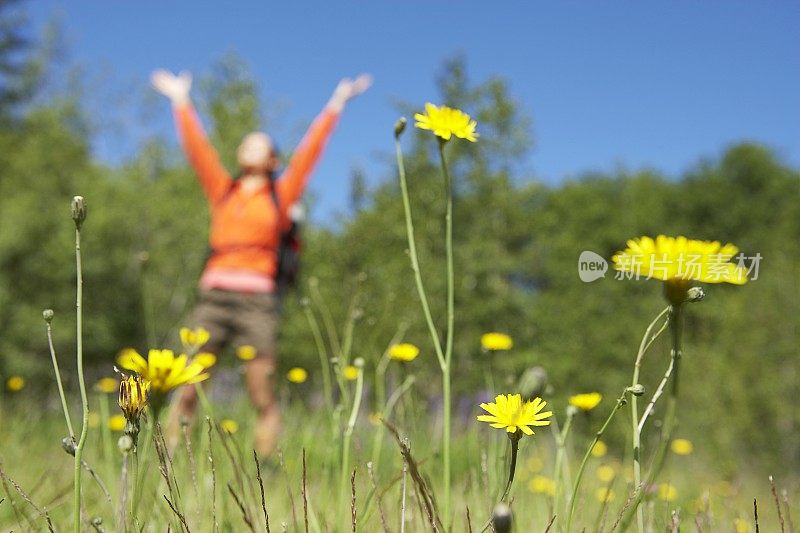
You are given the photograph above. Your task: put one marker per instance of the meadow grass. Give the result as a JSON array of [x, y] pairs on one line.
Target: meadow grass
[[32, 459]]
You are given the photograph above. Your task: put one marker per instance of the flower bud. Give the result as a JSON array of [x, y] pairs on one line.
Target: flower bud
[[636, 390], [695, 294], [125, 444], [359, 362], [78, 211], [47, 314], [399, 127], [68, 443], [502, 518]]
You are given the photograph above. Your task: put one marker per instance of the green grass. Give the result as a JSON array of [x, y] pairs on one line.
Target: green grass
[[32, 457]]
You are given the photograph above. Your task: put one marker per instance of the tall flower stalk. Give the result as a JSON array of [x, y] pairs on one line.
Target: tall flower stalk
[[78, 216], [444, 122], [677, 261]]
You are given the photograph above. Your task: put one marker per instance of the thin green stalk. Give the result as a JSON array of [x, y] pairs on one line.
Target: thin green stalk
[[573, 499], [448, 357], [561, 441], [412, 252], [344, 475], [637, 469], [387, 411], [48, 317], [81, 383], [327, 390], [327, 319], [105, 431]]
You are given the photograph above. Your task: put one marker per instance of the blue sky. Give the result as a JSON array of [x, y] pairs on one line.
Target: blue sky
[[608, 85]]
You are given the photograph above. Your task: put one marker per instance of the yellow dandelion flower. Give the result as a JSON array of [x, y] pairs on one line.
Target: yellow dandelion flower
[[741, 526], [445, 122], [15, 383], [680, 260], [403, 352], [107, 385], [350, 373], [193, 339], [604, 494], [116, 423], [587, 401], [133, 392], [606, 473], [510, 413], [667, 492], [205, 359], [297, 375], [496, 341], [682, 447], [542, 485], [246, 352], [229, 426], [163, 370], [600, 449]]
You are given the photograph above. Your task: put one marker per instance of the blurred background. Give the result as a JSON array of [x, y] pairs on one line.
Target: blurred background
[[597, 123]]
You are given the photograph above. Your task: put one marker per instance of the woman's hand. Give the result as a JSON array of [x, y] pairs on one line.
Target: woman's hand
[[176, 88], [348, 89]]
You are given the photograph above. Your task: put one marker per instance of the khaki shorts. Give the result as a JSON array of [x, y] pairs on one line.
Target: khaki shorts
[[238, 319]]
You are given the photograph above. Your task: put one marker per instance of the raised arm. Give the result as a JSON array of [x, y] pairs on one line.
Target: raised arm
[[293, 181], [213, 177]]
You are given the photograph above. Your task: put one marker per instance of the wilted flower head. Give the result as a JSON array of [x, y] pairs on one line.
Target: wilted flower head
[[163, 370], [496, 341], [587, 401], [510, 413], [403, 352], [133, 392], [445, 122]]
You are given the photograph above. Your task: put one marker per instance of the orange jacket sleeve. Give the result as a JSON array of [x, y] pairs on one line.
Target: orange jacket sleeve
[[214, 179], [292, 183]]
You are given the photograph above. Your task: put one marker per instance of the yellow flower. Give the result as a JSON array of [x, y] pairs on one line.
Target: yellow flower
[[403, 352], [604, 494], [606, 473], [133, 392], [535, 464], [587, 401], [682, 447], [15, 383], [445, 122], [193, 339], [107, 385], [297, 375], [229, 426], [246, 352], [510, 413], [678, 259], [94, 419], [350, 373], [163, 370], [116, 423], [496, 341], [599, 449], [542, 485], [741, 526], [667, 492]]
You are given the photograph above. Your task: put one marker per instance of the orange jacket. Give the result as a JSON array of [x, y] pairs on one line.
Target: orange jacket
[[244, 225]]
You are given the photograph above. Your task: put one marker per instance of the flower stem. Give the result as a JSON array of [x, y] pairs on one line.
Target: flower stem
[[617, 407], [348, 433], [512, 467], [448, 353], [58, 380], [637, 431], [561, 441], [81, 383]]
